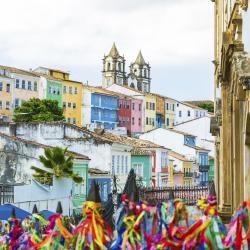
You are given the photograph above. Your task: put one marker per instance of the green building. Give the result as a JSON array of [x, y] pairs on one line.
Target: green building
[[211, 169], [80, 191], [54, 91], [142, 164]]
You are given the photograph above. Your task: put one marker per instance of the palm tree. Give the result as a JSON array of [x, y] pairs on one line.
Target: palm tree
[[58, 165]]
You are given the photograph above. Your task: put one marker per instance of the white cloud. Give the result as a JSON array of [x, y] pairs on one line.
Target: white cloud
[[74, 34]]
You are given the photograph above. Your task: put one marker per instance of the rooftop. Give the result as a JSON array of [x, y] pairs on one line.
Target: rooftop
[[197, 148], [179, 132], [56, 70], [178, 156], [18, 71], [39, 145]]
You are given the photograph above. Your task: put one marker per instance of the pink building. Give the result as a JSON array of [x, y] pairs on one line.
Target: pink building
[[178, 178], [130, 114]]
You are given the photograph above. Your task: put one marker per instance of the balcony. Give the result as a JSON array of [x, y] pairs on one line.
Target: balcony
[[188, 174], [204, 168]]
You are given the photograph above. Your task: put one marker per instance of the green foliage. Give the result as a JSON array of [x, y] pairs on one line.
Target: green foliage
[[58, 165], [36, 110], [209, 106]]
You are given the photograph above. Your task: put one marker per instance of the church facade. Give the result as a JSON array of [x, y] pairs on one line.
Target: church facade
[[114, 71], [231, 123]]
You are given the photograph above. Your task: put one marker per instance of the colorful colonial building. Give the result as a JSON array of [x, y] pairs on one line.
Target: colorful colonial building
[[99, 108], [58, 86], [130, 114], [25, 85]]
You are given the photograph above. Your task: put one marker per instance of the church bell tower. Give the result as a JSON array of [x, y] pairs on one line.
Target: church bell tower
[[113, 68]]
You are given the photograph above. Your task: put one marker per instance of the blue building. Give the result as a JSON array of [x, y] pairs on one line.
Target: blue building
[[99, 108], [202, 157], [103, 179], [203, 167]]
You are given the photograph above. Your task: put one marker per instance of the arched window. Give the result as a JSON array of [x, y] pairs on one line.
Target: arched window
[[119, 66], [145, 73], [108, 66], [132, 85]]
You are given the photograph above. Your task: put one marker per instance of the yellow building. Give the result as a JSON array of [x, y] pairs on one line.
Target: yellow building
[[231, 124], [171, 173], [182, 170], [170, 106], [71, 94], [150, 112], [72, 101], [6, 90]]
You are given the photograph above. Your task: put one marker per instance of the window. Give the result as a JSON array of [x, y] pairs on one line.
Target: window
[[167, 121], [23, 84], [139, 121], [58, 91], [138, 168], [139, 107], [1, 104], [64, 104], [35, 86], [173, 107], [7, 105], [74, 121], [17, 101], [74, 105], [124, 104], [145, 73], [118, 164], [29, 85], [126, 164], [69, 104], [8, 87], [70, 89], [164, 159], [108, 68], [17, 83], [133, 121], [166, 106], [76, 90], [180, 113], [119, 66], [153, 105], [1, 86], [153, 121], [177, 104], [133, 106], [113, 164], [122, 164], [188, 113], [120, 105], [64, 89], [127, 106], [146, 120], [146, 105], [68, 119]]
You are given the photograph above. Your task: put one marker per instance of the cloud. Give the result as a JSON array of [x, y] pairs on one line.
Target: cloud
[[73, 34]]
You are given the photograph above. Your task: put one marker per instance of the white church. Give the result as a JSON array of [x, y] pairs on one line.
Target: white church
[[114, 71]]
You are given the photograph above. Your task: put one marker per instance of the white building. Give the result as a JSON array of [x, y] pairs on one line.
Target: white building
[[183, 143], [185, 112], [200, 127]]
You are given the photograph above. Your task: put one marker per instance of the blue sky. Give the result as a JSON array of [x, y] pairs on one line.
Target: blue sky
[[175, 36]]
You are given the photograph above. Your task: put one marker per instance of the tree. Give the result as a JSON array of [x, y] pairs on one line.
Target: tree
[[36, 110], [58, 165]]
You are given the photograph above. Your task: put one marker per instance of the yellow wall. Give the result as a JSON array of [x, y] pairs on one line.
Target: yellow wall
[[6, 96], [59, 75], [169, 112], [70, 112], [149, 115], [187, 165], [171, 173]]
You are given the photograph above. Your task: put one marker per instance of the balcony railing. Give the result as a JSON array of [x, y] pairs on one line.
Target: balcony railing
[[188, 174], [204, 168]]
